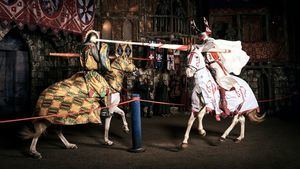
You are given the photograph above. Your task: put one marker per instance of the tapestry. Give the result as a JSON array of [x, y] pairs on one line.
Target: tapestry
[[75, 16]]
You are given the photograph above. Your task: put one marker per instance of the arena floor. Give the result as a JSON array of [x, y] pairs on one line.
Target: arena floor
[[272, 144]]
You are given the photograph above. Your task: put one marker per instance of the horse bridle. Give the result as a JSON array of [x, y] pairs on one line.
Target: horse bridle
[[193, 67]]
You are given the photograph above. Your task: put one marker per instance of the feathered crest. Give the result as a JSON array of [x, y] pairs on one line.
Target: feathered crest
[[194, 27], [197, 30], [207, 29]]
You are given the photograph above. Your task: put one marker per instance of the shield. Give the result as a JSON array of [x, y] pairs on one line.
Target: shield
[[104, 56]]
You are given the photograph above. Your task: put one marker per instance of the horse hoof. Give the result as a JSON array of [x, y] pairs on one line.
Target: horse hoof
[[203, 134], [184, 145], [222, 139], [72, 146], [238, 140], [35, 155], [125, 129], [108, 143]]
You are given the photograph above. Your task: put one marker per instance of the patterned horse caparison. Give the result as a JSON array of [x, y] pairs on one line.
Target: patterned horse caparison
[[71, 103]]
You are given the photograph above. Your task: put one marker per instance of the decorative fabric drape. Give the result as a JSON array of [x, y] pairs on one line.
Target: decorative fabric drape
[[75, 16]]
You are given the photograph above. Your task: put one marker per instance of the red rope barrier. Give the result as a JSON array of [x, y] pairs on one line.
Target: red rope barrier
[[29, 118], [276, 99], [125, 102], [165, 103], [56, 115]]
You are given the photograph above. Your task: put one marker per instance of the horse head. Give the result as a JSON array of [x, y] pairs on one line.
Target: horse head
[[195, 60], [124, 64]]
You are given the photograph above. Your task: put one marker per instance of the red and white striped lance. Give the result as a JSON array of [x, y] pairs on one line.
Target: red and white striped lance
[[156, 45], [165, 46]]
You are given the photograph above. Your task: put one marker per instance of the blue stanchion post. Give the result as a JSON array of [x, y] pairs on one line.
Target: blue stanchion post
[[136, 125]]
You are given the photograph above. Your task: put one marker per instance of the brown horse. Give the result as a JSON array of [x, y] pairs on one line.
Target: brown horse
[[70, 100]]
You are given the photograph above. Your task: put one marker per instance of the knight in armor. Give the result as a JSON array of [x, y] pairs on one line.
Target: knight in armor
[[96, 65], [220, 74], [215, 53]]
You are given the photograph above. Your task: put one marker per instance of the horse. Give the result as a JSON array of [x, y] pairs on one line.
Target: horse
[[71, 100], [241, 102]]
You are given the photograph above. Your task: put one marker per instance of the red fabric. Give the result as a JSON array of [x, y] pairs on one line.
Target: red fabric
[[217, 59], [59, 15]]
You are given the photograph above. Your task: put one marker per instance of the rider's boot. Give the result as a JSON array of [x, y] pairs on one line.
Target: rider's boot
[[218, 117], [224, 102]]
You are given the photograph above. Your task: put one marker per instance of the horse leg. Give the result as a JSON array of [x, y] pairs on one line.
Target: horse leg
[[106, 131], [233, 123], [65, 141], [242, 134], [33, 152], [39, 129], [187, 132], [201, 115], [125, 124]]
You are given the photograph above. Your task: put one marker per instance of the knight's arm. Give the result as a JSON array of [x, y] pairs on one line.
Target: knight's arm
[[95, 54], [210, 46]]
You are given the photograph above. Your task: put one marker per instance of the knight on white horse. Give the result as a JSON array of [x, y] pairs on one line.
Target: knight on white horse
[[241, 101], [222, 57]]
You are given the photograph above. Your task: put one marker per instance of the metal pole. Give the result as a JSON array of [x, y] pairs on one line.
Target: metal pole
[[136, 125]]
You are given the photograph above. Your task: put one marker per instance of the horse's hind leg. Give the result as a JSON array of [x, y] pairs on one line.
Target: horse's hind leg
[[233, 123], [33, 152], [125, 124], [65, 141], [39, 129], [242, 134]]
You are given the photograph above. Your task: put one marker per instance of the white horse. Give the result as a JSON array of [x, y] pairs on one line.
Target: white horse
[[241, 101], [120, 66]]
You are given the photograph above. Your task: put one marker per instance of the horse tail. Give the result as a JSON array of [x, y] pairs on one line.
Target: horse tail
[[39, 128], [255, 116]]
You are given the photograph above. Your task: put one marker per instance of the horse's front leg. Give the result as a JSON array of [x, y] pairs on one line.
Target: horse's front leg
[[201, 115], [125, 124], [184, 143], [106, 131], [233, 123], [114, 101]]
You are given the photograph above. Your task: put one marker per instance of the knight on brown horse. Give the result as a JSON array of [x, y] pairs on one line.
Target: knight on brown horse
[[76, 100]]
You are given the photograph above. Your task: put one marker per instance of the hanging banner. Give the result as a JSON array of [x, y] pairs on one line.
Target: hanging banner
[[75, 16]]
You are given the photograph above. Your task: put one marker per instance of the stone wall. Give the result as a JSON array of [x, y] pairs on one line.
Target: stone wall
[[3, 32], [117, 13], [45, 69], [277, 83]]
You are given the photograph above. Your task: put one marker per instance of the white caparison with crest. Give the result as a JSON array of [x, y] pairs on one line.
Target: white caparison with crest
[[241, 102]]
